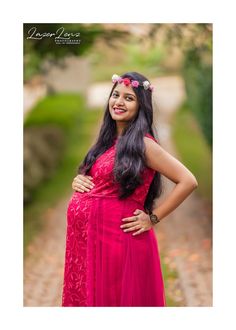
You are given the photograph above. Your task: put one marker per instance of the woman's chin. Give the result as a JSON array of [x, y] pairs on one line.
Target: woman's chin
[[119, 116]]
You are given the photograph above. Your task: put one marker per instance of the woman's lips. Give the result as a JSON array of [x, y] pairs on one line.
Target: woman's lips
[[119, 111]]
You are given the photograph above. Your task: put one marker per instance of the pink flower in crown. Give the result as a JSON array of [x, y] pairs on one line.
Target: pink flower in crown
[[135, 83], [151, 87], [120, 80], [126, 81]]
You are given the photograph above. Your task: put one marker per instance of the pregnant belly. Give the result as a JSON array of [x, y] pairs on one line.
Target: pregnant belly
[[79, 206], [100, 217], [104, 213]]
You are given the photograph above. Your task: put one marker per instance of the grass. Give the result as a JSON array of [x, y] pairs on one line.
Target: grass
[[168, 276], [193, 150], [69, 112]]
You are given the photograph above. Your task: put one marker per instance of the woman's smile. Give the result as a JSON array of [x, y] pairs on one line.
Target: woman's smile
[[119, 111], [123, 104]]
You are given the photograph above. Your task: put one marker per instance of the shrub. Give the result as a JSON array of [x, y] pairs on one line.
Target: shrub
[[198, 80], [42, 150]]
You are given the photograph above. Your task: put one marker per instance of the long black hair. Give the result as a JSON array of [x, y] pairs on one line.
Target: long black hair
[[130, 157]]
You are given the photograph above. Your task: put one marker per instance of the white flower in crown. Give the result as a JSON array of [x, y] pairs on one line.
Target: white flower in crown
[[146, 84], [115, 78]]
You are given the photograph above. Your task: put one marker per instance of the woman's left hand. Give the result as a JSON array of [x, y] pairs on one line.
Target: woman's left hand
[[140, 222]]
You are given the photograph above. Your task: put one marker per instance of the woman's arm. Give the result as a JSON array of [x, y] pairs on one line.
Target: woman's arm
[[161, 161]]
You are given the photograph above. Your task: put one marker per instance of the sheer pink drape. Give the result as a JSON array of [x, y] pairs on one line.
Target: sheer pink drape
[[105, 266], [122, 270]]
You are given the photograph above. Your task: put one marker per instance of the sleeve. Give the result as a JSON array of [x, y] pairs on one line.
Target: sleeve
[[151, 137]]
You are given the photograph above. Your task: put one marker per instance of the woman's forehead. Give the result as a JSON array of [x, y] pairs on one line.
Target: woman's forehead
[[121, 88]]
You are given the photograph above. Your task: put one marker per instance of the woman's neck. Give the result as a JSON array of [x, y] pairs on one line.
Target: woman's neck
[[120, 128]]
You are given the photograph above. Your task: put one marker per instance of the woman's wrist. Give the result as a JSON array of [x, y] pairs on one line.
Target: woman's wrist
[[154, 218]]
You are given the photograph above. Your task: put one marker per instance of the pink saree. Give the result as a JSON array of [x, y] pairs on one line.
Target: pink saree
[[105, 266]]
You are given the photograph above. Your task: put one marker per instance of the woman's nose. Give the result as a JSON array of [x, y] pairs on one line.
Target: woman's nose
[[120, 100]]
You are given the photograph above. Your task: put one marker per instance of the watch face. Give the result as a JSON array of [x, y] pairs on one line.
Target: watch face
[[154, 218]]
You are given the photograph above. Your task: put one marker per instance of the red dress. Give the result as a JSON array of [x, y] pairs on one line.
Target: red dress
[[105, 266]]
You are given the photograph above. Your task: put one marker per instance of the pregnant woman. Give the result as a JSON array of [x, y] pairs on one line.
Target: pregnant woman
[[112, 256]]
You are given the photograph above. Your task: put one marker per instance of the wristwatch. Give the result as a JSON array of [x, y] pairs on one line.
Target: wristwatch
[[154, 219]]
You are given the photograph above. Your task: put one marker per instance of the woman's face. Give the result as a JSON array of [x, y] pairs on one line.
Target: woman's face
[[123, 104]]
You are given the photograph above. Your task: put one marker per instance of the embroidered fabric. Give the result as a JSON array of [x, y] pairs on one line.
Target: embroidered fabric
[[105, 266]]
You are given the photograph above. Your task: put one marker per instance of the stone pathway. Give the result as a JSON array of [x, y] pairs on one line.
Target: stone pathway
[[184, 236]]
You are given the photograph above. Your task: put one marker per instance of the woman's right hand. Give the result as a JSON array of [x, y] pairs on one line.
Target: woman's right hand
[[82, 183]]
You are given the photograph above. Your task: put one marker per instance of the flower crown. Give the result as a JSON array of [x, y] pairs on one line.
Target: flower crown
[[134, 83]]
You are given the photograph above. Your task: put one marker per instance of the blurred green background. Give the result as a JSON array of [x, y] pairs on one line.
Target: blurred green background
[[61, 121]]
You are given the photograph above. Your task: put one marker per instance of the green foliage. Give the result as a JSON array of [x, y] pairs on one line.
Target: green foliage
[[59, 109], [143, 57], [193, 149], [43, 148], [31, 65], [68, 112], [198, 81], [78, 123], [37, 48], [133, 55], [64, 111], [169, 276], [47, 45], [195, 42]]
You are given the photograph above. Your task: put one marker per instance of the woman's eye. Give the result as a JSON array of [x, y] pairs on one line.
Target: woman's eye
[[128, 98]]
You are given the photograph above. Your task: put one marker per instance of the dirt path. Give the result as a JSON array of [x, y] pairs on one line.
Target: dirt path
[[184, 236], [43, 267]]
